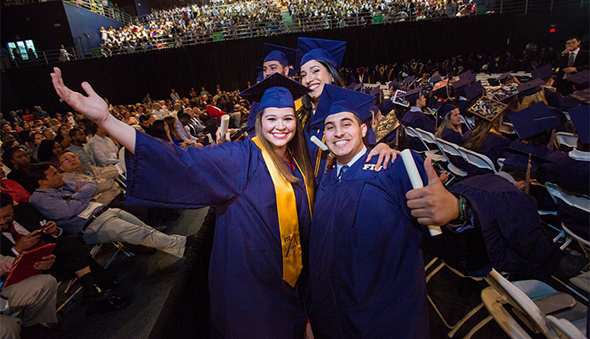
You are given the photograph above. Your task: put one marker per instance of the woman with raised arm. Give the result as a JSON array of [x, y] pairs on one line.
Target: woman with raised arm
[[263, 190]]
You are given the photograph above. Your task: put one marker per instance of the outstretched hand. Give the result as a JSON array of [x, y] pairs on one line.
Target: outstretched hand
[[432, 205], [92, 105]]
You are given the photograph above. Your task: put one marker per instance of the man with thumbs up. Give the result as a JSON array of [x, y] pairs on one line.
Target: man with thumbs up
[[366, 272]]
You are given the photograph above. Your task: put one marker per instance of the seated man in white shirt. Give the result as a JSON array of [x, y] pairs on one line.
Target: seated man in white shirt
[[104, 149]]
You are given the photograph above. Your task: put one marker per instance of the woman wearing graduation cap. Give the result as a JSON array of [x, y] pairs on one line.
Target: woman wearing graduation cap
[[450, 128], [319, 60], [263, 190]]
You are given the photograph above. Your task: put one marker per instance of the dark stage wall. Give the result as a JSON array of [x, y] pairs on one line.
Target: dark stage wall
[[126, 79]]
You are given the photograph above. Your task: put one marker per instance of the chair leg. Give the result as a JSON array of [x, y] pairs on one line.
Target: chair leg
[[565, 244], [458, 325], [69, 299], [478, 327]]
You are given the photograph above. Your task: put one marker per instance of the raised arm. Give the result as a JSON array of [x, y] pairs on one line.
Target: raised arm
[[94, 108]]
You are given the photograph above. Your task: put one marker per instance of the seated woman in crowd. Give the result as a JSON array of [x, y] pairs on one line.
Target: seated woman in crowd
[[486, 137], [63, 136], [172, 132], [450, 127], [17, 192], [49, 151], [256, 259], [19, 161]]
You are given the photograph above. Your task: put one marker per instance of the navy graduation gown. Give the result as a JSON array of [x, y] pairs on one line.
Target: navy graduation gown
[[511, 227], [366, 269], [493, 147], [248, 296], [451, 135], [418, 120]]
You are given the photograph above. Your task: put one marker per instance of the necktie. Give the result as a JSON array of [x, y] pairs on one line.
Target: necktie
[[571, 60], [14, 233], [342, 170]]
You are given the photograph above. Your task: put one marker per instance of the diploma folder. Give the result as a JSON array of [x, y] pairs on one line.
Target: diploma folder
[[23, 265]]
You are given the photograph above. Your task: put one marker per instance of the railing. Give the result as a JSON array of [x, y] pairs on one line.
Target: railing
[[268, 29], [96, 6]]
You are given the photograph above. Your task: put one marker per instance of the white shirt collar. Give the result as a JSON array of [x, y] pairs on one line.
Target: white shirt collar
[[415, 109], [351, 162], [579, 155]]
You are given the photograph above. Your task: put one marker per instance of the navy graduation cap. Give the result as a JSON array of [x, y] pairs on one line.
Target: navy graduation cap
[[275, 91], [352, 85], [434, 79], [504, 77], [580, 79], [543, 72], [409, 80], [445, 109], [533, 120], [583, 96], [460, 84], [473, 91], [284, 55], [487, 109], [580, 116], [517, 157], [413, 94], [531, 87], [375, 91], [330, 51], [335, 100], [387, 125]]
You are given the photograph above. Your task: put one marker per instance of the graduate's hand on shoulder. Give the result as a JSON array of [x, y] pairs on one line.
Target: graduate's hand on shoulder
[[432, 205], [385, 153], [92, 105]]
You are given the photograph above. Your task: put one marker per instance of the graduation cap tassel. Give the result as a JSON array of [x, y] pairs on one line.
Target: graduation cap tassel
[[527, 178]]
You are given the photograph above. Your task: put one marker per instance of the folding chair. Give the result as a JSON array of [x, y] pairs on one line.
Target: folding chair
[[467, 122], [411, 132], [451, 151], [579, 201], [477, 159], [454, 328], [565, 329], [531, 301], [429, 141], [566, 139]]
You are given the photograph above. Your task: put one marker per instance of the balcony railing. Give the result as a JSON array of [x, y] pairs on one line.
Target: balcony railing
[[84, 50]]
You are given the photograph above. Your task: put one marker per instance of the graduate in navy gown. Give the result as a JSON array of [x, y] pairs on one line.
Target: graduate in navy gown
[[366, 269], [263, 190], [509, 221], [319, 60], [450, 128], [486, 137]]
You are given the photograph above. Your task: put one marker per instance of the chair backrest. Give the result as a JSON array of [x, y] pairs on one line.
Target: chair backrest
[[477, 159], [578, 201], [563, 328], [448, 147], [121, 165], [517, 299], [410, 131], [566, 139], [427, 136], [466, 122]]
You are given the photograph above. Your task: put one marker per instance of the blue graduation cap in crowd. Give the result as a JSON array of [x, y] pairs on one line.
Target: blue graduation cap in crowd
[[284, 55], [434, 79], [580, 79], [531, 87], [386, 126], [413, 94], [445, 109], [503, 78], [352, 85], [394, 84], [544, 72], [517, 157], [583, 96], [275, 91], [460, 85], [580, 116], [467, 75], [409, 80], [473, 91], [375, 91], [336, 100], [487, 109], [533, 120], [330, 51]]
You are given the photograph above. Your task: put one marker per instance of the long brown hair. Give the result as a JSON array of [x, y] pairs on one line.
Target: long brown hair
[[481, 131], [296, 148], [306, 110], [170, 120], [446, 123]]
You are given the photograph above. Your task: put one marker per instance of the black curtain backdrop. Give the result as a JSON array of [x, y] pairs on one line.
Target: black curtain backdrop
[[126, 79]]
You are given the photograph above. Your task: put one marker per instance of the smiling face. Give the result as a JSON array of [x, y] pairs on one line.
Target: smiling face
[[314, 76], [278, 127], [344, 135]]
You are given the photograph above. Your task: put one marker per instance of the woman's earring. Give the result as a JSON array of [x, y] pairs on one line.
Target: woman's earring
[[332, 79]]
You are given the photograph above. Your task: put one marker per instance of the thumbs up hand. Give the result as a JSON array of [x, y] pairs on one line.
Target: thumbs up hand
[[433, 204]]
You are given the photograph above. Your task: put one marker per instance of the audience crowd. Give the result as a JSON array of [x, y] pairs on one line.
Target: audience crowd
[[199, 23]]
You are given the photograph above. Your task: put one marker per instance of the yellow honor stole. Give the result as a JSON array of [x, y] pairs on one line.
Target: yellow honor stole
[[288, 217], [319, 159]]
